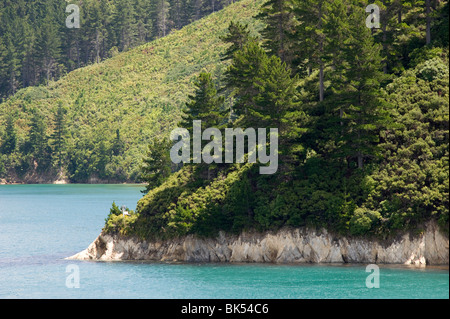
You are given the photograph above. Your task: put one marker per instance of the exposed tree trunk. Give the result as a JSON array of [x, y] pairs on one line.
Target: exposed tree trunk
[[48, 67], [13, 82], [428, 17], [385, 64], [281, 49], [359, 153], [97, 46], [360, 160], [78, 50], [321, 42], [321, 85]]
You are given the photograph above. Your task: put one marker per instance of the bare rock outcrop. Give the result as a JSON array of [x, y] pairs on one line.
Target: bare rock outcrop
[[299, 245]]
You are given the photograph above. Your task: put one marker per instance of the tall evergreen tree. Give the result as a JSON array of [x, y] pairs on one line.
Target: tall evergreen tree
[[49, 47], [3, 69], [393, 33], [125, 24], [204, 105], [177, 13], [347, 124], [266, 96], [156, 165], [246, 66], [29, 53], [311, 37], [38, 141], [162, 18], [280, 28], [10, 137], [12, 67], [58, 138], [195, 8], [365, 113], [144, 23], [238, 36], [118, 146]]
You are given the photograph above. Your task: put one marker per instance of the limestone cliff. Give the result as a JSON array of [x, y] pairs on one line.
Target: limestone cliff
[[284, 246]]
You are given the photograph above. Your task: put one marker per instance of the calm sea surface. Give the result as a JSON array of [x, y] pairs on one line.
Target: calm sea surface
[[40, 225]]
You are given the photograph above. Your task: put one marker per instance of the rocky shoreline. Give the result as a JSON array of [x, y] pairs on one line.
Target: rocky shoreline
[[62, 181], [299, 245]]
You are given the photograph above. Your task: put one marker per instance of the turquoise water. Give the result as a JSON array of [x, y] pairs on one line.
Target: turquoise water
[[42, 224]]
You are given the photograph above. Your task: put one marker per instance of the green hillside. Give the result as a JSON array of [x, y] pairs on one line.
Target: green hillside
[[113, 108], [363, 128]]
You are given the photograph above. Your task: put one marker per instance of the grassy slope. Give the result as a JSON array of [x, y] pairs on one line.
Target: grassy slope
[[140, 91]]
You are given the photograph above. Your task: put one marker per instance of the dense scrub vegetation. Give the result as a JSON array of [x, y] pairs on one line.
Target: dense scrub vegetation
[[95, 123], [36, 45], [363, 125]]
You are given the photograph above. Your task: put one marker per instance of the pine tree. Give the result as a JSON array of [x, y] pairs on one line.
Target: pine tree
[[280, 28], [101, 158], [346, 125], [195, 8], [177, 14], [337, 29], [163, 19], [9, 138], [95, 26], [156, 166], [246, 66], [3, 69], [265, 89], [144, 14], [393, 34], [428, 21], [125, 24], [266, 96], [118, 146], [12, 67], [440, 28], [365, 113], [49, 46], [203, 105], [28, 53], [58, 137], [238, 36], [311, 37], [72, 47], [38, 141]]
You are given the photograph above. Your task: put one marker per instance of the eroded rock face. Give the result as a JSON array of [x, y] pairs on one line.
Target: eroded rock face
[[284, 246]]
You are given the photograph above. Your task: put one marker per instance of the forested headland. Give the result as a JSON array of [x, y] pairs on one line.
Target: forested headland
[[362, 115]]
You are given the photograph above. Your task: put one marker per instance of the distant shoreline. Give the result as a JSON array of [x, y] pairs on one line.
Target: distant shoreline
[[65, 182]]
